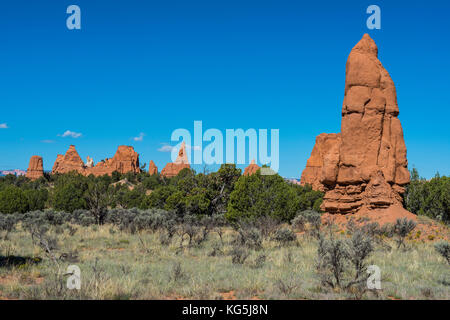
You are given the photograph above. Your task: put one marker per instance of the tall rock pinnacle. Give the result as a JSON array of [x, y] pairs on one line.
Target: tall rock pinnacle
[[365, 165]]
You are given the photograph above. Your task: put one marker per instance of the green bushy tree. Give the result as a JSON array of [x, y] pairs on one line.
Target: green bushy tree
[[430, 198], [13, 199], [68, 193], [268, 195]]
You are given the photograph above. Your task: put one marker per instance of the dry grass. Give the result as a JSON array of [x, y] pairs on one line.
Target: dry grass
[[116, 265]]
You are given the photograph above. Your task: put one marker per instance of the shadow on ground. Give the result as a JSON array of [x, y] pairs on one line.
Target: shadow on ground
[[15, 261]]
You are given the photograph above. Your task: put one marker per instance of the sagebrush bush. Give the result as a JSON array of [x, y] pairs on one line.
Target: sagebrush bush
[[249, 236], [7, 224], [239, 254], [402, 228], [342, 263], [443, 248], [312, 219], [299, 222], [284, 236]]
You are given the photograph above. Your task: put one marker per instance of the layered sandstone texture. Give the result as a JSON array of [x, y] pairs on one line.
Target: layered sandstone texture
[[251, 169], [35, 168], [125, 160], [364, 166], [173, 168]]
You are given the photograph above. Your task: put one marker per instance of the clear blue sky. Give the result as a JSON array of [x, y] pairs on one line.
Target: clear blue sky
[[154, 66]]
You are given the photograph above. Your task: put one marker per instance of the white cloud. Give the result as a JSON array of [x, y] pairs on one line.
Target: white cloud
[[3, 126], [140, 137], [71, 134], [166, 148]]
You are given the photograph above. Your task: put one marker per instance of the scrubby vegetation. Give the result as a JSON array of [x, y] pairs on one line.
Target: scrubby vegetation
[[223, 192], [204, 236], [429, 198], [157, 254]]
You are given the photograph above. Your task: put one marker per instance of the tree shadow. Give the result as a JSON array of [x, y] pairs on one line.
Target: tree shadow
[[16, 261]]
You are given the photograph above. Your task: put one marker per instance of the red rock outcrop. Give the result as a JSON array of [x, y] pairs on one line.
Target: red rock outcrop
[[322, 164], [152, 168], [173, 168], [35, 168], [364, 167], [125, 160], [251, 169], [71, 161]]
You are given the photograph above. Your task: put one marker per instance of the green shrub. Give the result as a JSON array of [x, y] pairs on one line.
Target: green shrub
[[13, 199], [259, 195], [430, 198]]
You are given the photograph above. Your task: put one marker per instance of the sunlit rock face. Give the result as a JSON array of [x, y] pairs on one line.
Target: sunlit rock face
[[173, 168], [125, 160], [35, 168], [365, 165]]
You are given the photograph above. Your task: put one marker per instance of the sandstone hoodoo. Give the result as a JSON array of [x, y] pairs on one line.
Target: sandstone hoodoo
[[35, 168], [71, 161], [152, 168], [364, 167], [251, 169], [125, 160], [173, 168]]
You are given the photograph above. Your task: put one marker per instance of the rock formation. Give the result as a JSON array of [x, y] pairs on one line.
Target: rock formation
[[251, 169], [35, 168], [125, 160], [152, 168], [71, 161], [364, 166], [173, 168], [326, 150]]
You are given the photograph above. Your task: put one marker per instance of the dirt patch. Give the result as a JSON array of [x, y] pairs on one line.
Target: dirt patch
[[427, 230], [230, 295], [175, 297]]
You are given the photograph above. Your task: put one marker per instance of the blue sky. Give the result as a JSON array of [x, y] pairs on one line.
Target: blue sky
[[154, 66]]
